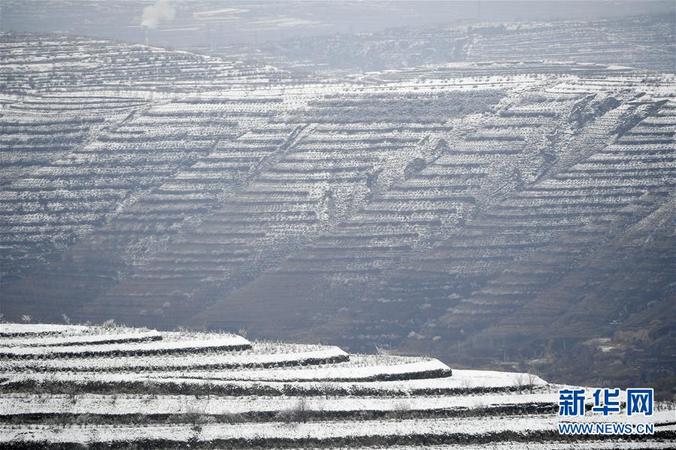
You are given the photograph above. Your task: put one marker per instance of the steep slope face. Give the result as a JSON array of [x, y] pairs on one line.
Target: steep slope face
[[90, 124], [78, 191], [32, 140], [498, 257], [565, 221], [331, 164], [38, 135], [98, 131], [578, 290], [485, 160], [613, 312], [128, 189]]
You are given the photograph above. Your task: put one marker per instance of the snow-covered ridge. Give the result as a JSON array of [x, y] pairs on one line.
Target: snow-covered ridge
[[16, 329], [84, 339], [257, 356], [166, 344]]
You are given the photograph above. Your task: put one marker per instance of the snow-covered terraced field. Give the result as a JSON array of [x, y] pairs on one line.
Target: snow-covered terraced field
[[229, 342], [462, 381], [449, 202], [83, 339], [259, 355], [266, 395], [15, 330], [322, 433], [125, 404], [358, 368]]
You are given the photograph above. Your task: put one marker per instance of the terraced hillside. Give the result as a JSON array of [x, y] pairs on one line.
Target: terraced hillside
[[515, 201], [53, 63], [436, 208], [71, 386]]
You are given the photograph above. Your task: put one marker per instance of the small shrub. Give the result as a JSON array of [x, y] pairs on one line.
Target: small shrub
[[298, 413], [520, 382], [83, 419], [401, 409], [109, 324]]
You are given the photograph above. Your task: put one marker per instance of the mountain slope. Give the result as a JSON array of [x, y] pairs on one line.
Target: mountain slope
[[433, 208]]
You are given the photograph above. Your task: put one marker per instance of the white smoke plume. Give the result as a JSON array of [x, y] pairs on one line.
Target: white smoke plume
[[154, 15]]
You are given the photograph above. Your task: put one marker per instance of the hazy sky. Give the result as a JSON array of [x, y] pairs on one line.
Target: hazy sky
[[178, 23]]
